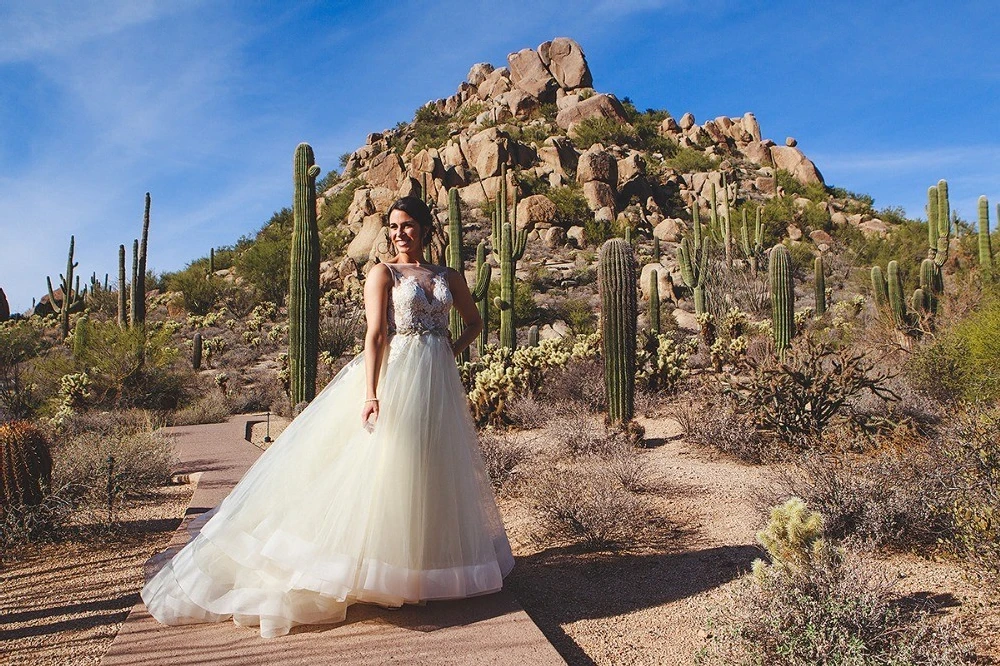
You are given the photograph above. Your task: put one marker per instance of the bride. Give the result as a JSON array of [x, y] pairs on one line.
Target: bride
[[389, 507]]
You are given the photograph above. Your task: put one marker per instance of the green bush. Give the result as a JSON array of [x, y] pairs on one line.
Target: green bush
[[961, 363], [130, 368], [813, 191], [691, 160], [265, 262], [907, 244], [430, 127], [571, 205], [579, 314], [335, 209], [201, 291], [525, 310]]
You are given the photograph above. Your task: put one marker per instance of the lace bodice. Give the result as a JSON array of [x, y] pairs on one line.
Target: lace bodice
[[420, 300]]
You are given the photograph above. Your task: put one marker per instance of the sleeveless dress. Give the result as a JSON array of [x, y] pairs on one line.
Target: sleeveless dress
[[333, 514]]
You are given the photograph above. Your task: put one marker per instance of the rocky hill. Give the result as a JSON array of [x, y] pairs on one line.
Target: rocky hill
[[541, 118]]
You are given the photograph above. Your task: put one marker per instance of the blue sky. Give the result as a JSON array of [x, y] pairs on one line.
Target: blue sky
[[202, 103]]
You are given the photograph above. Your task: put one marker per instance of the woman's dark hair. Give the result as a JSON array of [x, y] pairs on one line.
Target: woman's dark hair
[[419, 211]]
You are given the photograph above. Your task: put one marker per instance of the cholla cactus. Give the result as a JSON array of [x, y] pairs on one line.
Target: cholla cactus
[[660, 361], [794, 540]]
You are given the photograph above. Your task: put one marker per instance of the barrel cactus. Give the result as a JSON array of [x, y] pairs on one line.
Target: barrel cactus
[[779, 270], [25, 464], [303, 289], [617, 281]]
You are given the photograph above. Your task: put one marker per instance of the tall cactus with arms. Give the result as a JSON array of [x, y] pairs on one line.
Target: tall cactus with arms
[[508, 248], [454, 255], [72, 298], [616, 279], [303, 289], [693, 258]]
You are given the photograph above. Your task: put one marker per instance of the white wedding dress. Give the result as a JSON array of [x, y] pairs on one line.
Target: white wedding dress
[[333, 514]]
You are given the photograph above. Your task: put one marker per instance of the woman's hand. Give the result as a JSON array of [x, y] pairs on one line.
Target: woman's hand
[[369, 414]]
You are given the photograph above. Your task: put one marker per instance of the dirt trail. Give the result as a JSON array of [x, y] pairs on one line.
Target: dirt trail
[[651, 607], [646, 607]]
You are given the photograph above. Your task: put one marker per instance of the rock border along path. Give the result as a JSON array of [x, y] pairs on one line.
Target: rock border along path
[[492, 629]]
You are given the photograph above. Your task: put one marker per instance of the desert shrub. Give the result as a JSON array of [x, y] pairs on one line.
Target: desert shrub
[[796, 396], [201, 292], [961, 361], [341, 324], [884, 498], [526, 311], [20, 341], [43, 522], [141, 458], [812, 191], [972, 483], [580, 381], [602, 130], [132, 368], [211, 407], [576, 431], [265, 260], [817, 603], [627, 464], [527, 411], [336, 206], [597, 231], [717, 424], [571, 206], [503, 457], [731, 287], [578, 313], [691, 160], [907, 244], [589, 507]]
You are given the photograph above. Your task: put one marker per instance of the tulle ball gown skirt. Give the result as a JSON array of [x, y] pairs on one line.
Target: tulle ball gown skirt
[[332, 514]]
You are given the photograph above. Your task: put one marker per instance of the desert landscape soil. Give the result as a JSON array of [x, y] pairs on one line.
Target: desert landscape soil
[[650, 605], [64, 603]]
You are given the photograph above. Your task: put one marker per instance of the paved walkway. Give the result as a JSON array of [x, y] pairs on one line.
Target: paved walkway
[[493, 629]]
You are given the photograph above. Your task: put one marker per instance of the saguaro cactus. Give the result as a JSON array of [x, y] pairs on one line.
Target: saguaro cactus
[[139, 288], [196, 352], [938, 237], [81, 334], [508, 248], [692, 254], [25, 464], [453, 254], [654, 302], [122, 316], [72, 298], [819, 286], [616, 281], [533, 336], [985, 247], [484, 271], [134, 295], [779, 269], [753, 249], [303, 288], [897, 302], [211, 261], [880, 289]]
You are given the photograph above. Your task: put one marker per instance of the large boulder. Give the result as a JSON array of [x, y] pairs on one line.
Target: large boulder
[[528, 72], [360, 248], [535, 210], [598, 106], [668, 230], [597, 164], [385, 171], [559, 153], [496, 83], [598, 195], [566, 62], [794, 162], [664, 284], [479, 72], [630, 168]]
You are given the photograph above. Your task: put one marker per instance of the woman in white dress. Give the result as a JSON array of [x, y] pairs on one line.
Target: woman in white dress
[[391, 506]]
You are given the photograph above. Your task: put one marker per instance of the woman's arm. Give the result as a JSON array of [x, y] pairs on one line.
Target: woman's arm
[[377, 286], [462, 300]]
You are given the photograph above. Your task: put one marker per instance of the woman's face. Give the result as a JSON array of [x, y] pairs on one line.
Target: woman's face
[[405, 233]]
